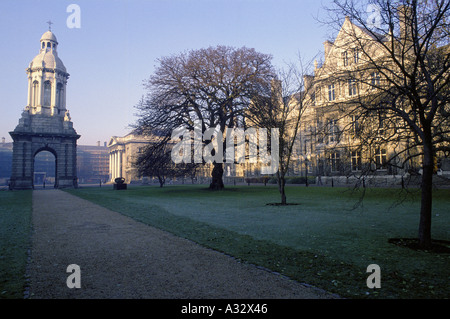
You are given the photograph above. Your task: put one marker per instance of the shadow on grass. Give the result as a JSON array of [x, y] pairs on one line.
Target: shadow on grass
[[437, 246]]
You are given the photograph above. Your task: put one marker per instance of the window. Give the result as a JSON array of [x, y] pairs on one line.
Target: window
[[333, 131], [355, 125], [335, 161], [380, 158], [331, 93], [381, 123], [319, 126], [356, 161], [306, 146], [345, 58], [356, 55], [318, 97], [375, 79], [352, 87]]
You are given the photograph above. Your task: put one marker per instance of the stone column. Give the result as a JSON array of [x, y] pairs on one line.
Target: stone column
[[119, 153], [113, 167], [30, 90], [109, 172]]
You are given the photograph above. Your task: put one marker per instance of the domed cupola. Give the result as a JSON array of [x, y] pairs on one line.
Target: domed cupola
[[48, 55], [47, 78]]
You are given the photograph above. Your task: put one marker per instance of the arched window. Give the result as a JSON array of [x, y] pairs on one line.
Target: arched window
[[43, 45], [35, 93], [49, 45], [47, 93], [59, 95]]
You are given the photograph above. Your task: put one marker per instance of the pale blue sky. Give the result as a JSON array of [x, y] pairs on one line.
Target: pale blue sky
[[119, 41]]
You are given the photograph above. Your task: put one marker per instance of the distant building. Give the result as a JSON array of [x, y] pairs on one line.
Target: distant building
[[122, 154], [5, 161], [93, 163]]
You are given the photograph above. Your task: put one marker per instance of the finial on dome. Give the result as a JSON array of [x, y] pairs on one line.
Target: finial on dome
[[49, 25]]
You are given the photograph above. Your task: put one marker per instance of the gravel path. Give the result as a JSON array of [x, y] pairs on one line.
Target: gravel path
[[121, 258]]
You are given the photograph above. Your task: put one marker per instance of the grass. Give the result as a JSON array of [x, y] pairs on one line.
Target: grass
[[326, 240], [15, 233]]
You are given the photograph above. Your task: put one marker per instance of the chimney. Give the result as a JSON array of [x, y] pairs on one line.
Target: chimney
[[276, 88], [308, 82], [404, 19], [104, 144], [98, 143], [3, 140], [327, 45]]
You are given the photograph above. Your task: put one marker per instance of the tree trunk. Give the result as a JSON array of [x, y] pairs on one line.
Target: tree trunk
[[281, 187], [161, 181], [217, 174], [426, 200]]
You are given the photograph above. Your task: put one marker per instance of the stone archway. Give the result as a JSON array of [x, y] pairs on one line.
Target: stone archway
[[27, 145], [44, 168]]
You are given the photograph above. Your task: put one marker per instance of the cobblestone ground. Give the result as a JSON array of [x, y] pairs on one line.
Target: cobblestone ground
[[121, 258]]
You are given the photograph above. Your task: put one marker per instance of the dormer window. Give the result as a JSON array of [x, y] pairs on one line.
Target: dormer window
[[345, 58], [331, 93]]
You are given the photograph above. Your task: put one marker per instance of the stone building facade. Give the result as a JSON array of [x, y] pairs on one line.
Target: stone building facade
[[122, 154], [336, 142]]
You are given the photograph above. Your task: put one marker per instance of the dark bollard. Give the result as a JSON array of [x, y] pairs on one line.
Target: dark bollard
[[120, 183]]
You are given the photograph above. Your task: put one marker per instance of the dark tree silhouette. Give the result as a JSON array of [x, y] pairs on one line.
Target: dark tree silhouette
[[212, 86], [281, 105], [403, 80]]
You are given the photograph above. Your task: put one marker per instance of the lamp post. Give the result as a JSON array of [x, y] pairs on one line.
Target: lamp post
[[306, 159]]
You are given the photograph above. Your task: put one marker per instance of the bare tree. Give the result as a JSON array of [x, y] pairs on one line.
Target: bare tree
[[155, 160], [281, 104], [399, 67], [213, 86]]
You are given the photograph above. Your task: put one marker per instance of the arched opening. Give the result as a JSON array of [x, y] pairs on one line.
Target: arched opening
[[44, 175], [35, 93], [47, 93], [59, 96]]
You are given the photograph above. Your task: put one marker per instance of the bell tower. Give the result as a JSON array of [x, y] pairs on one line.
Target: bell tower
[[45, 124]]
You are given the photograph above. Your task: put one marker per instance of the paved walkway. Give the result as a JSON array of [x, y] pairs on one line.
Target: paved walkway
[[121, 258]]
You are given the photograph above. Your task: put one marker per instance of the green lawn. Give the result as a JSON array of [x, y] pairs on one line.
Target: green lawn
[[15, 232], [327, 240]]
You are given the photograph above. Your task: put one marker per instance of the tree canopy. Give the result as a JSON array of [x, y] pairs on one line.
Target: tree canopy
[[212, 85]]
